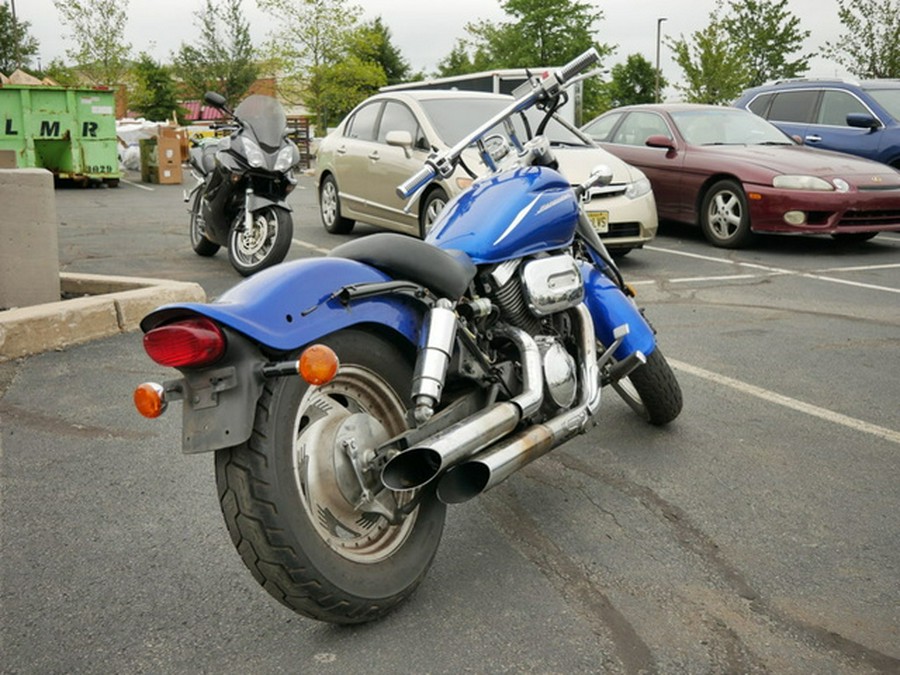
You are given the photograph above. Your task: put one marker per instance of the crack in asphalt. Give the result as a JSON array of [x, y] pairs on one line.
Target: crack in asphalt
[[693, 539], [47, 423], [569, 579]]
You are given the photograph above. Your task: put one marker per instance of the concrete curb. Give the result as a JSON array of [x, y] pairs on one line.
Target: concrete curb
[[110, 305]]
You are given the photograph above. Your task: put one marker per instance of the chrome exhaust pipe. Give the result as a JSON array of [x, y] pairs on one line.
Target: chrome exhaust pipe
[[485, 470], [418, 465]]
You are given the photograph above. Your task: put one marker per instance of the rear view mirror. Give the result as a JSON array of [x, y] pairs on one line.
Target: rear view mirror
[[400, 139], [214, 99]]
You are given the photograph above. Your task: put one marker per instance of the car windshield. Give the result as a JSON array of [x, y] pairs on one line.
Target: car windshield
[[727, 127], [452, 119], [265, 117], [889, 99]]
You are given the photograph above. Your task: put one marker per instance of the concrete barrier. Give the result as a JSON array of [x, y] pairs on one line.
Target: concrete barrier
[[29, 248], [109, 305]]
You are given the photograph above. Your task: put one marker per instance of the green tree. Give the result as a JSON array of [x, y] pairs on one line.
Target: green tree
[[871, 46], [223, 58], [539, 33], [769, 35], [372, 44], [17, 47], [713, 63], [633, 82], [59, 72], [155, 95], [313, 48], [98, 29]]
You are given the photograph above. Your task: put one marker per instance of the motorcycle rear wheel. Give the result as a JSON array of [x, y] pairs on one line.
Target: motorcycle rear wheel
[[266, 243], [652, 390], [288, 495]]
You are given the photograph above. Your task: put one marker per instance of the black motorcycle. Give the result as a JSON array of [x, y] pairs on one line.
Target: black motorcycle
[[243, 182]]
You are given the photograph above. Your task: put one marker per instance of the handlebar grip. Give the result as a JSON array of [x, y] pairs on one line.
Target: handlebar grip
[[578, 64], [411, 185]]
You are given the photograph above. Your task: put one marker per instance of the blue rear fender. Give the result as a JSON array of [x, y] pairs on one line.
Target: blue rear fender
[[291, 304], [610, 308]]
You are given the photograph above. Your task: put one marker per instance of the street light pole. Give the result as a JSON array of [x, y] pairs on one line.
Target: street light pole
[[658, 36]]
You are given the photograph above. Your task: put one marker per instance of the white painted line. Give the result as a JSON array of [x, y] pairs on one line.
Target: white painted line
[[788, 402], [862, 268], [311, 247], [729, 277], [137, 185], [775, 270]]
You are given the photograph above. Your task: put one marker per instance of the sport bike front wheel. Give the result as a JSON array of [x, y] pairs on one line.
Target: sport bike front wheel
[[264, 243], [295, 496]]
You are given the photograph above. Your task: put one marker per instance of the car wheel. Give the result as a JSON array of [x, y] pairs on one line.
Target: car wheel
[[724, 217], [433, 204], [330, 208]]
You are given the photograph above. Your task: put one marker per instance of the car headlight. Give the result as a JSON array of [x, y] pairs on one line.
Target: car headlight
[[285, 159], [638, 188], [802, 183], [255, 156]]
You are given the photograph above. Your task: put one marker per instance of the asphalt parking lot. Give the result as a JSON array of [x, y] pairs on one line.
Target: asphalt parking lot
[[758, 533]]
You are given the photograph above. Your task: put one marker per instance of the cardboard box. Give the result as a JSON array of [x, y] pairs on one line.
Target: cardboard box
[[168, 174]]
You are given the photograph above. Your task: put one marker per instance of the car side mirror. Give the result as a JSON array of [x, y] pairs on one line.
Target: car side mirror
[[400, 139], [862, 121], [660, 141]]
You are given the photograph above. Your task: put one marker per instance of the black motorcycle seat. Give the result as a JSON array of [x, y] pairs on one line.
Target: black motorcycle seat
[[445, 273]]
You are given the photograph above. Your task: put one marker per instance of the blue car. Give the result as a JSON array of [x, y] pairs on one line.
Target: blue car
[[857, 118]]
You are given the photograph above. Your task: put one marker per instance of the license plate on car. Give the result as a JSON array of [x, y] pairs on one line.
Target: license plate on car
[[600, 220]]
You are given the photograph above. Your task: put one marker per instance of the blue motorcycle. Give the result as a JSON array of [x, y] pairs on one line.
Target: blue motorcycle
[[349, 399]]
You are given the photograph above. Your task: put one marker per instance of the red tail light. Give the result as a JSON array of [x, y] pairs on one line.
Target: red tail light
[[191, 343]]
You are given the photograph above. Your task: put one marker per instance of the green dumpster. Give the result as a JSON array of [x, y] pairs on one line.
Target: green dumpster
[[71, 132]]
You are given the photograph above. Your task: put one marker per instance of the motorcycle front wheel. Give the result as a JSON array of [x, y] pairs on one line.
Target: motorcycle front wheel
[[201, 245], [652, 390], [291, 495], [264, 243]]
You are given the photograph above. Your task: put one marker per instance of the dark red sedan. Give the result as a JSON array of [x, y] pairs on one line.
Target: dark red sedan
[[734, 174]]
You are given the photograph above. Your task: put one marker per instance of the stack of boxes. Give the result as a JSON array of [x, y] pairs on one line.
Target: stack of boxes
[[162, 156]]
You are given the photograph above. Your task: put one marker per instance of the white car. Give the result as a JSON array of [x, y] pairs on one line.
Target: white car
[[387, 138]]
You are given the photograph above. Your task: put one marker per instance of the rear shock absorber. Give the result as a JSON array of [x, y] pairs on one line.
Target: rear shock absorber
[[435, 352]]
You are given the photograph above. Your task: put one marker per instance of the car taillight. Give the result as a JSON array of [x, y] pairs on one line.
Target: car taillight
[[191, 343]]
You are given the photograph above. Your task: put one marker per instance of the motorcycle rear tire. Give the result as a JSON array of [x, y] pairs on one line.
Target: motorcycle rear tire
[[299, 533], [271, 251], [652, 390]]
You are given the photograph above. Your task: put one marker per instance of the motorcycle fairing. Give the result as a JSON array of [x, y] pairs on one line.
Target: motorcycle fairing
[[515, 213], [256, 202], [610, 308], [289, 305]]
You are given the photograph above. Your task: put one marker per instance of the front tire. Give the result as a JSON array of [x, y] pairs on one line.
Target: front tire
[[201, 245], [288, 495], [330, 208], [652, 390], [431, 208], [264, 244], [724, 215]]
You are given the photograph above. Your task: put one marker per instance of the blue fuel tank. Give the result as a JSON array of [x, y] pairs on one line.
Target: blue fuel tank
[[509, 215]]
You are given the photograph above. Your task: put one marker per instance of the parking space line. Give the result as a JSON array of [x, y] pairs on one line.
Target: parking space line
[[788, 402], [311, 247], [773, 270], [137, 185]]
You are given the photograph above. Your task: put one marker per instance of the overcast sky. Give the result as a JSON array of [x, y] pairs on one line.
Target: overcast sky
[[425, 30]]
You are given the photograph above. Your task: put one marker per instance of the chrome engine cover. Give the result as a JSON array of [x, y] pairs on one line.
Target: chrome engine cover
[[560, 372], [552, 284]]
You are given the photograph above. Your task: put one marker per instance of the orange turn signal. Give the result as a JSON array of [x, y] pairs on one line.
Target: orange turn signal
[[318, 364], [150, 400]]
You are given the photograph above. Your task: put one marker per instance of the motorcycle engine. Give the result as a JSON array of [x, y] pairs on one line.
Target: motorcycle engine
[[534, 295]]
